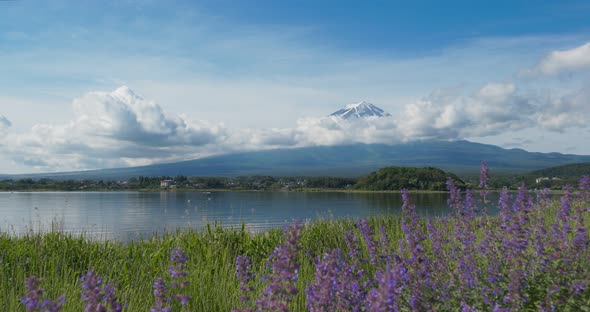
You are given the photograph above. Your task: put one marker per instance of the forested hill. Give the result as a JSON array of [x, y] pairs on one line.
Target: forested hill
[[397, 178], [564, 171]]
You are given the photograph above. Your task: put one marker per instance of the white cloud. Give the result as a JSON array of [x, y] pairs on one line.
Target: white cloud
[[113, 129], [492, 109], [445, 114], [570, 111], [123, 115], [561, 61], [122, 129]]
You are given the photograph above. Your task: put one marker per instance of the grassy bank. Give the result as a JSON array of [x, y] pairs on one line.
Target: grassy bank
[[465, 260], [61, 259]]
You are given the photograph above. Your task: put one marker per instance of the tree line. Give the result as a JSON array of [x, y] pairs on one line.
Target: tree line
[[389, 178]]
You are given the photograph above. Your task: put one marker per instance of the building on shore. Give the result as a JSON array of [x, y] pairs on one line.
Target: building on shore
[[167, 183]]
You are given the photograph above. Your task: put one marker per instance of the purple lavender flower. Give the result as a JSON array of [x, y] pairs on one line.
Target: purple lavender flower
[[98, 298], [178, 273], [566, 199], [33, 300], [467, 308], [337, 285], [561, 226], [110, 298], [439, 264], [504, 205], [580, 286], [455, 200], [384, 244], [441, 268], [484, 175], [283, 278], [178, 259], [92, 294], [580, 238], [411, 270], [161, 295], [470, 207], [353, 276], [368, 234], [543, 197], [245, 276], [53, 306], [353, 246], [322, 293], [34, 293], [387, 296], [584, 187]]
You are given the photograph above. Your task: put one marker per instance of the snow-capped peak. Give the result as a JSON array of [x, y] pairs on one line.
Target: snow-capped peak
[[360, 110], [357, 105]]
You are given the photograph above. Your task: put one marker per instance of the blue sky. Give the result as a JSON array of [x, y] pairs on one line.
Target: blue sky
[[218, 76]]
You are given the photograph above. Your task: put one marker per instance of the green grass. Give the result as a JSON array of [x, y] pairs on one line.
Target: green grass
[[61, 259]]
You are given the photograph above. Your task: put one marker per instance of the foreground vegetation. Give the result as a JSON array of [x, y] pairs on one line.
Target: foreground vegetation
[[533, 256]]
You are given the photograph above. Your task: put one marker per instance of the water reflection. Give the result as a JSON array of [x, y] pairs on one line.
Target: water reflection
[[133, 215]]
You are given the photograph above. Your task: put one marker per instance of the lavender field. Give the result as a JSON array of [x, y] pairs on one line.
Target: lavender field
[[534, 256]]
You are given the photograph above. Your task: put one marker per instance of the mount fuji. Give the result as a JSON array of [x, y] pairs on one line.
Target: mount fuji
[[360, 110], [460, 157]]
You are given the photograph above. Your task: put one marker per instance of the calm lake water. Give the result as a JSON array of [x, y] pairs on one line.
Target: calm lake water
[[133, 215]]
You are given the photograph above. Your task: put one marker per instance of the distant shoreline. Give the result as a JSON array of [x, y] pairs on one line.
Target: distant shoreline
[[307, 190]]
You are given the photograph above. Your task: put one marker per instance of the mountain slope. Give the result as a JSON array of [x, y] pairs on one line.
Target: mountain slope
[[460, 157], [570, 170]]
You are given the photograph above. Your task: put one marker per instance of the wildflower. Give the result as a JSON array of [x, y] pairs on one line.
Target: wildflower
[[34, 293], [322, 293], [484, 175], [455, 200], [285, 270], [370, 242], [504, 205], [33, 300], [178, 273], [161, 295], [584, 188], [245, 276], [98, 298], [467, 308], [178, 258], [387, 295], [53, 306]]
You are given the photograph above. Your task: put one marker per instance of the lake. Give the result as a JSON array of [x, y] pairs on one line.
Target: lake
[[134, 215]]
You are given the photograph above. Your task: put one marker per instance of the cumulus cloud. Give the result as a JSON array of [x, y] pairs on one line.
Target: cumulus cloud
[[443, 115], [492, 109], [561, 61], [253, 139], [123, 115], [120, 128], [112, 129], [570, 111]]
